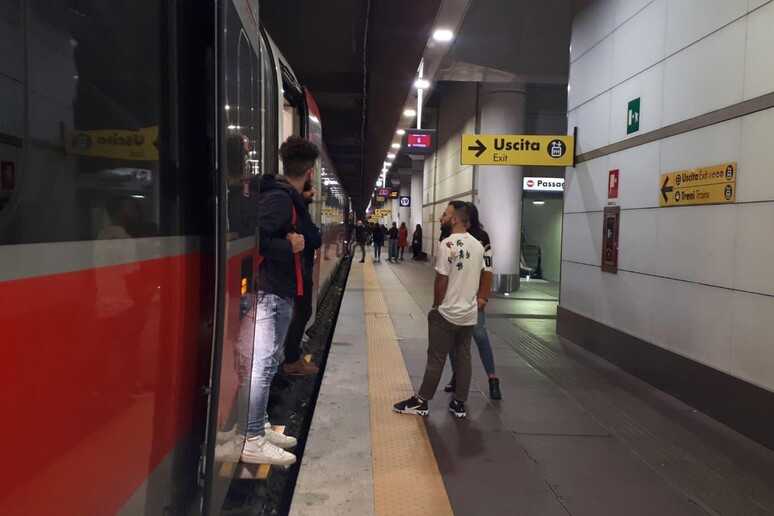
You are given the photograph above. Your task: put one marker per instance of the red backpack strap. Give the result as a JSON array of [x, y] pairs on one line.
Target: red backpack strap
[[297, 258]]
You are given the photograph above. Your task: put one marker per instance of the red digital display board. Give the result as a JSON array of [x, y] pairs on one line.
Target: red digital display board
[[419, 141]]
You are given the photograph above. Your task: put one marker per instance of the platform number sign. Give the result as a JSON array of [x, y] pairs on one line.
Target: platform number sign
[[405, 201]]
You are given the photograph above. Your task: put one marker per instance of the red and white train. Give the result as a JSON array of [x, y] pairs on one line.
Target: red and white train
[[124, 291]]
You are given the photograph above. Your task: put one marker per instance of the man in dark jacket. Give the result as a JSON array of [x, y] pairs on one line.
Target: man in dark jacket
[[378, 237], [302, 306], [361, 236], [280, 280]]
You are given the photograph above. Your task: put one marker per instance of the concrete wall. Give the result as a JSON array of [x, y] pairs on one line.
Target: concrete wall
[[695, 280]]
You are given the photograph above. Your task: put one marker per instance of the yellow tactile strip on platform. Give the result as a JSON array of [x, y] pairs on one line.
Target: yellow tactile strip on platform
[[406, 475]]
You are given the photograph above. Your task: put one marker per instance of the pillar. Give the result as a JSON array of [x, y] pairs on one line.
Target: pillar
[[404, 214], [502, 110], [416, 192]]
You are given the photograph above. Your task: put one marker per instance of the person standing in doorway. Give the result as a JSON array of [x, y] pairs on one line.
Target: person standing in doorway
[[459, 271], [294, 364], [480, 335], [392, 233], [402, 239], [280, 273]]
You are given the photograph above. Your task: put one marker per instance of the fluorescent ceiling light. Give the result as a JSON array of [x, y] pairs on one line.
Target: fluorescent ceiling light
[[390, 155], [395, 145], [443, 35], [422, 84], [539, 202], [400, 132], [409, 112]]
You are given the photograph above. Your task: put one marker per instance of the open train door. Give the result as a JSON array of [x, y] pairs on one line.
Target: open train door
[[241, 127]]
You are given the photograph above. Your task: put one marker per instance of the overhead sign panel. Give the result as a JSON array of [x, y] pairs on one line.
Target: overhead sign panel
[[543, 184], [419, 141], [137, 145], [715, 184], [518, 149]]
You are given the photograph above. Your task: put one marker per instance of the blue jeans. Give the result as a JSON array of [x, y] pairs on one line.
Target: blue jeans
[[393, 249], [484, 347], [272, 319]]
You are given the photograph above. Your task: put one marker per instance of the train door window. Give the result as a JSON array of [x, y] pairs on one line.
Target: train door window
[[83, 162], [270, 111], [241, 160]]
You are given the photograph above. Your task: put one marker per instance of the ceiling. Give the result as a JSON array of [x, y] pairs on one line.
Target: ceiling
[[523, 41], [324, 43]]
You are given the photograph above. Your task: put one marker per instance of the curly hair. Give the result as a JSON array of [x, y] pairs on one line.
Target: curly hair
[[298, 155]]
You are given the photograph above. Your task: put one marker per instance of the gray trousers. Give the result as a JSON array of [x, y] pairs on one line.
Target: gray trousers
[[444, 337]]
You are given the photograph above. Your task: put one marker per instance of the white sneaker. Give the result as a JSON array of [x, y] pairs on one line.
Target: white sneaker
[[277, 439], [222, 437], [258, 450], [229, 451]]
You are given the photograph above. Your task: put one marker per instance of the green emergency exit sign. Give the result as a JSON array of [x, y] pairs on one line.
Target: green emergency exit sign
[[633, 116]]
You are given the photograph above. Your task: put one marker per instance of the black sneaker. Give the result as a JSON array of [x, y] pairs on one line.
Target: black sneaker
[[494, 389], [457, 408], [413, 405], [451, 385]]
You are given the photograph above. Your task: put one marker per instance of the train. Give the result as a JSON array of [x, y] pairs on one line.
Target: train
[[125, 293]]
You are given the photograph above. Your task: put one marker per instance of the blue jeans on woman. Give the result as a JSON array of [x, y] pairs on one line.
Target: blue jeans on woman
[[272, 319], [484, 347]]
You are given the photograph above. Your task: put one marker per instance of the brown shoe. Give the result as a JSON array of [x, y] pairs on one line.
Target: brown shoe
[[299, 367]]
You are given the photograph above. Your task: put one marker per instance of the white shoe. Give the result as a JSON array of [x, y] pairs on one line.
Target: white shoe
[[229, 451], [258, 450], [222, 437], [277, 439]]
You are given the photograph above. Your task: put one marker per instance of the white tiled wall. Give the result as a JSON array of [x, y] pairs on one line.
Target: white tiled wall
[[639, 43], [694, 321], [759, 60], [591, 74], [751, 357], [756, 158], [706, 76], [696, 279], [582, 238], [638, 175], [690, 20]]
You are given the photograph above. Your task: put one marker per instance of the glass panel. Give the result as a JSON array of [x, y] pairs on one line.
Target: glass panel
[[90, 164], [242, 156]]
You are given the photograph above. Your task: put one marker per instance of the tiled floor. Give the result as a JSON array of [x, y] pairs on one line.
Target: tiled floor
[[572, 434]]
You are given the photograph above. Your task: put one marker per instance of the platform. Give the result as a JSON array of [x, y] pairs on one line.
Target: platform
[[572, 434]]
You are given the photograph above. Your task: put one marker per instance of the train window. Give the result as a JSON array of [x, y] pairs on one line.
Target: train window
[[270, 112], [243, 119], [83, 161]]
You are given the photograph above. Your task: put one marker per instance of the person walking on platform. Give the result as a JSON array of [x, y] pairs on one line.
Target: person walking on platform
[[361, 236], [282, 211], [416, 242], [402, 239], [459, 272], [378, 239], [302, 306], [392, 233], [480, 336]]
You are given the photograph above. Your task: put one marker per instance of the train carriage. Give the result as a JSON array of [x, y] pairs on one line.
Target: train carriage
[[126, 273]]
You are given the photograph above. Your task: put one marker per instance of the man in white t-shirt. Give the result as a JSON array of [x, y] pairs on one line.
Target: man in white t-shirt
[[459, 268]]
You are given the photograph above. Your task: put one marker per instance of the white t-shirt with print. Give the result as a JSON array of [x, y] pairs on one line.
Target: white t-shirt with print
[[461, 258]]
